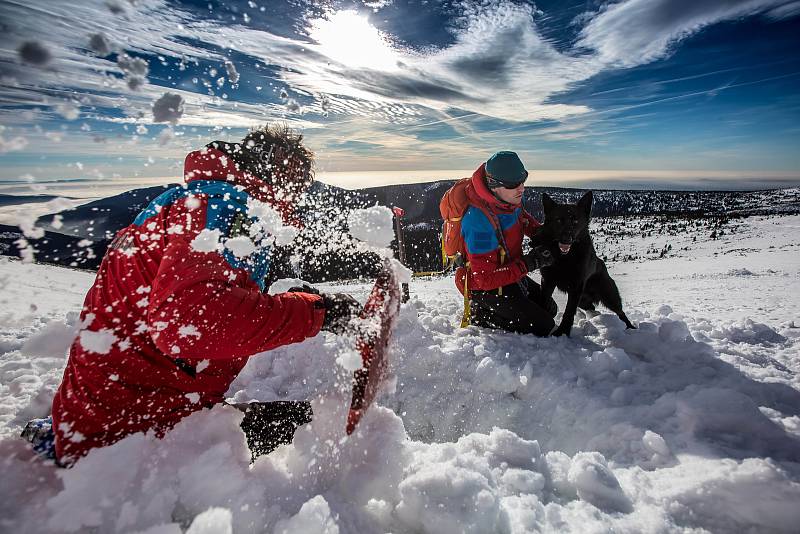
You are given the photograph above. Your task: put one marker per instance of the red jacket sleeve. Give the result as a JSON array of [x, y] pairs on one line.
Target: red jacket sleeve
[[201, 307], [529, 224], [486, 272]]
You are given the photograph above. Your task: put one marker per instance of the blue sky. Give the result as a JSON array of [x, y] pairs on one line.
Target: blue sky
[[672, 93]]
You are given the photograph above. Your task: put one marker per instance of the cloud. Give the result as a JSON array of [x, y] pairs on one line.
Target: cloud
[[463, 75], [785, 11], [497, 73], [12, 145], [635, 32], [498, 64]]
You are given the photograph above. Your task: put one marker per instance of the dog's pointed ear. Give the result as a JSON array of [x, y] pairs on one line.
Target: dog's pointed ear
[[585, 203], [547, 203]]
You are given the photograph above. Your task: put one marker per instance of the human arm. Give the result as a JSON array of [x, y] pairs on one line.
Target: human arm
[[201, 305]]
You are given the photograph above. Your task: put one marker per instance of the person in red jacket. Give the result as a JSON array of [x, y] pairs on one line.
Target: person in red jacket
[[502, 295], [179, 303]]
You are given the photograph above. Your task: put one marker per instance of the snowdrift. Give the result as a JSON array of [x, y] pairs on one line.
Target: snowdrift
[[690, 422]]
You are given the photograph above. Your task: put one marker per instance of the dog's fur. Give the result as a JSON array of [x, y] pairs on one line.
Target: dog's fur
[[577, 269]]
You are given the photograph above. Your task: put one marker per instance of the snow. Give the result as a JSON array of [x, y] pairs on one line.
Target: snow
[[99, 341], [241, 246], [35, 53], [314, 516], [233, 75], [135, 70], [12, 145], [372, 225], [690, 423], [207, 240], [168, 108], [100, 45], [350, 360], [269, 223]]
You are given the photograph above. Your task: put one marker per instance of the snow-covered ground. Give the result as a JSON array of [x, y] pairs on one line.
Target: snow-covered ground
[[690, 423]]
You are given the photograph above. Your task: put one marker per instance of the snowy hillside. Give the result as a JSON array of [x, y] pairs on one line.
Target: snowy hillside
[[689, 424], [68, 222]]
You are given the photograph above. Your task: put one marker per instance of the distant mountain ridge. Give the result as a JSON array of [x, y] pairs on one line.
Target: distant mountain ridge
[[99, 220], [14, 200]]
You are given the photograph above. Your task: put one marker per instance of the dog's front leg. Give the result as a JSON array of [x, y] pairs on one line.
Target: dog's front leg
[[573, 298], [548, 286]]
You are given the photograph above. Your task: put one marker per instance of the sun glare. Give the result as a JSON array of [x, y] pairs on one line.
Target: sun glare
[[348, 38]]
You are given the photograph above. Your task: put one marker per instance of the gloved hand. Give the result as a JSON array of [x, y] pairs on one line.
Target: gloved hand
[[538, 257], [305, 288], [340, 308]]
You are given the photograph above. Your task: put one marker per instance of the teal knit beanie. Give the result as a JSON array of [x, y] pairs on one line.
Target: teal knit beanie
[[506, 168]]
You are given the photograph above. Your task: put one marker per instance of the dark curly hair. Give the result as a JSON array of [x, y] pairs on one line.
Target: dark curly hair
[[280, 135], [273, 152]]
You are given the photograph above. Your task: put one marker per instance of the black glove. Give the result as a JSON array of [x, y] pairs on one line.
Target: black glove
[[340, 308], [538, 257], [305, 288]]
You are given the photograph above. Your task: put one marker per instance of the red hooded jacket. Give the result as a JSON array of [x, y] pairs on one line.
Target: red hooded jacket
[[494, 261], [168, 324]]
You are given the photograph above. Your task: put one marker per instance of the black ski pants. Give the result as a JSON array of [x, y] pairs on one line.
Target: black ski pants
[[518, 308]]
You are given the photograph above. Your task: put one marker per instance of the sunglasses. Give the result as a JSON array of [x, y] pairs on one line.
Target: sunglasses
[[497, 184]]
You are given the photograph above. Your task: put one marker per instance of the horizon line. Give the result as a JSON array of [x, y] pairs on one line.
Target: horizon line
[[614, 179]]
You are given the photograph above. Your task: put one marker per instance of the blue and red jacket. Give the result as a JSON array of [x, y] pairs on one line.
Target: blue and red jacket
[[165, 327], [495, 260]]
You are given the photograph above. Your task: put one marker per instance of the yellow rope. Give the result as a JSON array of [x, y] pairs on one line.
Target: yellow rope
[[465, 317], [502, 261], [444, 254]]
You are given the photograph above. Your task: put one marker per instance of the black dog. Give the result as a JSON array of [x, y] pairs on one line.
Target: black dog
[[577, 270]]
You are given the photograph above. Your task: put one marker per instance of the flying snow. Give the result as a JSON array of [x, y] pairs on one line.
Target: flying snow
[[12, 145], [35, 53], [207, 241], [100, 45], [99, 341], [168, 108], [372, 225], [233, 75], [241, 246], [135, 70], [269, 224]]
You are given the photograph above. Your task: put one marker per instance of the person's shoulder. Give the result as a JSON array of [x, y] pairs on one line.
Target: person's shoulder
[[218, 189], [475, 218]]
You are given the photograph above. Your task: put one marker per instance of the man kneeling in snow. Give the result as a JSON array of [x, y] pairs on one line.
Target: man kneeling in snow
[[179, 306]]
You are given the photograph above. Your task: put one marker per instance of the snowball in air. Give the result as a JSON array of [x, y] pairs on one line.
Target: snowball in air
[[372, 225], [168, 108]]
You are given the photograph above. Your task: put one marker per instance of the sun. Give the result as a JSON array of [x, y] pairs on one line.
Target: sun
[[349, 39]]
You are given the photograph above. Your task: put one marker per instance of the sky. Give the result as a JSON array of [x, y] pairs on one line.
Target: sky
[[638, 93]]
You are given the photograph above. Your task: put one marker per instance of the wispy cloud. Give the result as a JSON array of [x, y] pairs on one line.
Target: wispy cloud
[[498, 64], [635, 32], [334, 75]]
